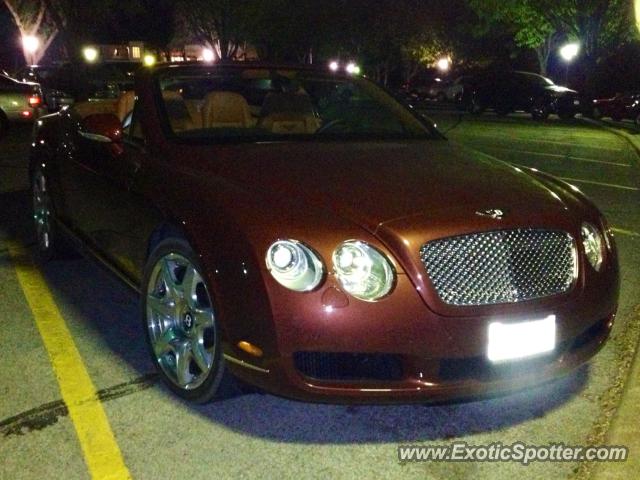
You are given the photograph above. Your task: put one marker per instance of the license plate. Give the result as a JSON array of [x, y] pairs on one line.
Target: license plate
[[512, 341], [576, 102]]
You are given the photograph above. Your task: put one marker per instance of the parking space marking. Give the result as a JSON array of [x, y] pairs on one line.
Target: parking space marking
[[557, 155], [101, 452], [628, 233], [601, 184]]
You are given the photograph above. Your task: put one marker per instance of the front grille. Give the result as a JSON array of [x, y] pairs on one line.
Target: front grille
[[503, 266]]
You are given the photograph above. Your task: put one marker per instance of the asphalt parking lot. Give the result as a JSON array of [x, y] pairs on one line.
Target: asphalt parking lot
[[262, 436]]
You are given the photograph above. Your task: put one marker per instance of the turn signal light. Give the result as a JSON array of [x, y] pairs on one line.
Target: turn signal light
[[250, 349]]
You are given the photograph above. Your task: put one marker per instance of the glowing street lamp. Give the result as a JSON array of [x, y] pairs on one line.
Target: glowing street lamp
[[149, 60], [90, 54], [444, 64], [352, 69], [31, 44], [208, 55], [569, 51]]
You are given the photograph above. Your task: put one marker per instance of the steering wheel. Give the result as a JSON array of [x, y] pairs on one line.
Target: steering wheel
[[327, 127]]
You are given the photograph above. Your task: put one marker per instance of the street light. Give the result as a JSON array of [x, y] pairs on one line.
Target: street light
[[334, 65], [568, 52], [90, 54], [31, 44], [208, 55], [444, 64], [149, 60], [352, 69]]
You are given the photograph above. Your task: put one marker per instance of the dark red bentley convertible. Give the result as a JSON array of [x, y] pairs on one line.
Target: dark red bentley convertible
[[304, 232]]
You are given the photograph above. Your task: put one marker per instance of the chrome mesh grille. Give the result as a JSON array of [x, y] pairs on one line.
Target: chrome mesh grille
[[504, 266]]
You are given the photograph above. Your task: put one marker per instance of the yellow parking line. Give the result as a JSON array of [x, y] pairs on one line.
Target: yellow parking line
[[101, 452]]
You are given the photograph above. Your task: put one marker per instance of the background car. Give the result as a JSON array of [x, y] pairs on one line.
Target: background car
[[62, 84], [507, 92], [19, 101], [286, 226], [620, 107]]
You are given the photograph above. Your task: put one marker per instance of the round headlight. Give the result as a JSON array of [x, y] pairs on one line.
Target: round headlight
[[363, 271], [592, 242], [294, 265]]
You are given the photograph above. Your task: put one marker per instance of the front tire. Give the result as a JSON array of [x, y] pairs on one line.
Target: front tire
[[181, 326], [49, 243], [540, 109]]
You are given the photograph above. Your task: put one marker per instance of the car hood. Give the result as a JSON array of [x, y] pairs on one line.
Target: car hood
[[378, 183], [560, 90]]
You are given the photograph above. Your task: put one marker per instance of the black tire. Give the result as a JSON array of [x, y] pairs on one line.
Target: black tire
[[596, 113], [540, 109], [50, 242], [566, 115], [616, 118], [475, 107], [503, 110], [3, 124], [215, 384]]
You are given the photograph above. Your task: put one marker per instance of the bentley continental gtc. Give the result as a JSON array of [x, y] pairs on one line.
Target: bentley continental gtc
[[302, 231]]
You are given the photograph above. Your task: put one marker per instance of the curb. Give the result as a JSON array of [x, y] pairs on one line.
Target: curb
[[632, 139]]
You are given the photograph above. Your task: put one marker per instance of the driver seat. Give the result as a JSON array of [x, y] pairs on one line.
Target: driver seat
[[125, 104], [226, 110]]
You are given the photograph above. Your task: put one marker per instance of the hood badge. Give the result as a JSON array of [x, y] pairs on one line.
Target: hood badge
[[494, 213]]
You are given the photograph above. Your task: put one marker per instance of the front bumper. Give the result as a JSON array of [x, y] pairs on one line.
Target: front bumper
[[419, 356]]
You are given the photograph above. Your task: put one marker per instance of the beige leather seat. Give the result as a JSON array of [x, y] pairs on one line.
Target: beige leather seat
[[177, 111], [226, 110], [125, 104], [84, 109], [288, 113]]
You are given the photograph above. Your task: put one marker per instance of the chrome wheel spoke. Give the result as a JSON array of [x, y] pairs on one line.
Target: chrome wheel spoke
[[161, 306], [189, 283], [200, 356], [183, 355], [164, 344], [173, 291]]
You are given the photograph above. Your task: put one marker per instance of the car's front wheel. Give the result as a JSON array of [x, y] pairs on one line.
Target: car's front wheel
[[181, 325], [49, 242], [540, 109]]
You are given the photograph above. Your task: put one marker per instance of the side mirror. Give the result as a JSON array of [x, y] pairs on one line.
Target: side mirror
[[102, 127]]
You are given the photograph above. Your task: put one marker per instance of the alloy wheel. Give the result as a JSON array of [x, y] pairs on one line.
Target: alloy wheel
[[181, 321]]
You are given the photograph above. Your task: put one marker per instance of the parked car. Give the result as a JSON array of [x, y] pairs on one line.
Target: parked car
[[63, 83], [455, 90], [423, 89], [286, 226], [620, 107], [44, 75], [19, 102], [512, 91]]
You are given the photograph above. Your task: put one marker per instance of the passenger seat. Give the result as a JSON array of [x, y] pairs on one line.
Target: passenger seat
[[226, 110]]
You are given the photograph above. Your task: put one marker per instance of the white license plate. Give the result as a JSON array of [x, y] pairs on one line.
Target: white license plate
[[512, 341], [576, 102]]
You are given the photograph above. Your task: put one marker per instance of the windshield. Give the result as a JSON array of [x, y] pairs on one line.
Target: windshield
[[252, 103]]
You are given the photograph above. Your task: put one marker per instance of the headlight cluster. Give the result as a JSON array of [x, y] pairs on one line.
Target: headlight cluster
[[592, 243], [294, 265], [363, 271]]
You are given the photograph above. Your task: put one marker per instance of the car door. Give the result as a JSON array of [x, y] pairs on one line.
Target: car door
[[103, 207]]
